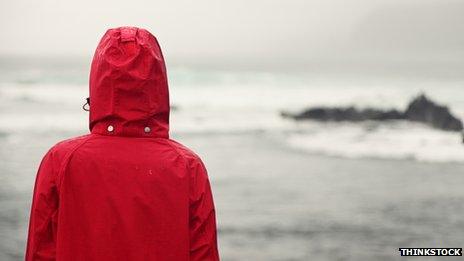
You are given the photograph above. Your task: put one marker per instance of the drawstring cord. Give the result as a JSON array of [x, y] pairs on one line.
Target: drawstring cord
[[86, 106]]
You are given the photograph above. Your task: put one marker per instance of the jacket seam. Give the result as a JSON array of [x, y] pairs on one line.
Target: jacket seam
[[179, 152], [189, 178], [66, 160], [132, 137], [34, 199]]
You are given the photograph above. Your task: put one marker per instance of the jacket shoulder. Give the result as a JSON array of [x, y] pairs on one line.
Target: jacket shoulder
[[192, 160], [68, 145], [55, 158], [185, 152], [63, 149]]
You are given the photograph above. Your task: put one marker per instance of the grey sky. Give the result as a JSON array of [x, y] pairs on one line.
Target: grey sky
[[244, 31]]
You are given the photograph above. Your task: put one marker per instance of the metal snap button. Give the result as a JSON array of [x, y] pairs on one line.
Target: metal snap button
[[147, 129], [110, 128]]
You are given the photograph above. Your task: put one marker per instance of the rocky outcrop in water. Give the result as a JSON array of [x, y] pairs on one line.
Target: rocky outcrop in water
[[420, 109], [345, 114], [424, 110]]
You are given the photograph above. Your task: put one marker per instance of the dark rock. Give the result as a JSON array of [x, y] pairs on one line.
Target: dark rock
[[345, 114], [421, 109], [424, 110]]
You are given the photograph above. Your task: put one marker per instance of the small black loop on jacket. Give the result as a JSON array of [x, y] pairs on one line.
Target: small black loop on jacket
[[86, 106]]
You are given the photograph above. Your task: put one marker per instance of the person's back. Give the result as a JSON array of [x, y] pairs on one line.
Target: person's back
[[125, 191]]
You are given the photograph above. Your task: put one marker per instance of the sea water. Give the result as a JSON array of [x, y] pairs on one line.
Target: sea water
[[43, 99], [284, 190]]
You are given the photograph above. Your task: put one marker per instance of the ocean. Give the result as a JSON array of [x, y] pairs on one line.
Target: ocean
[[284, 190]]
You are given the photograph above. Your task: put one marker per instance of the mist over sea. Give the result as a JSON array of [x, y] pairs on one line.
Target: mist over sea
[[284, 190]]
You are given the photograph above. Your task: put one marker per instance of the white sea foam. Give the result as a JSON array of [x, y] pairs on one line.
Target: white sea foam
[[396, 140]]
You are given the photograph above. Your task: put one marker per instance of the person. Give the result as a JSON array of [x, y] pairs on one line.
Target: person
[[125, 191]]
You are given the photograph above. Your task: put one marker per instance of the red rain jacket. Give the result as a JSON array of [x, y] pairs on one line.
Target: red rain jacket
[[125, 191]]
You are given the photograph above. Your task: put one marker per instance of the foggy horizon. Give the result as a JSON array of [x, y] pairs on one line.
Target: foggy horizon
[[256, 35]]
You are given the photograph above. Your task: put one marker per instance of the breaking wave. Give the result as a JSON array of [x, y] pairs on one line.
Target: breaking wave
[[394, 140]]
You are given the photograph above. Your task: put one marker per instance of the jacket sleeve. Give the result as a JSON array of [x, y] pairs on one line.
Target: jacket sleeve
[[203, 242], [41, 243]]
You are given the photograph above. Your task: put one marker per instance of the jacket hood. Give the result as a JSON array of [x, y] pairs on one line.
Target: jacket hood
[[128, 85]]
